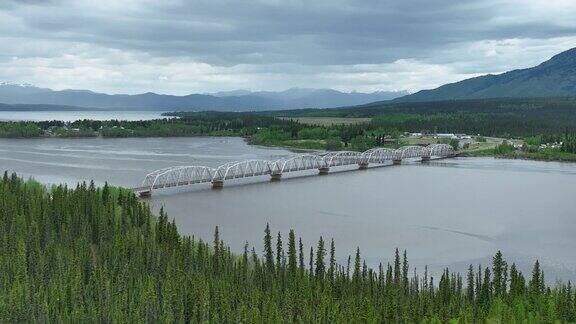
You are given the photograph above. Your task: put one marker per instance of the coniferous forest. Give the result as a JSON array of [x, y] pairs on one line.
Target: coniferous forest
[[98, 254]]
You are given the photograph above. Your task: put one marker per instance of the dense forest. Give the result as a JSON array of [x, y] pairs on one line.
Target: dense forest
[[547, 126], [507, 117], [258, 129], [496, 105], [489, 117], [197, 124], [98, 254]]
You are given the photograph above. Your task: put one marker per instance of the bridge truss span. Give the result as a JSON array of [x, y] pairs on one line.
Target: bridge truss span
[[243, 169], [340, 158], [188, 175], [377, 155], [408, 152], [178, 176], [440, 150], [299, 163]]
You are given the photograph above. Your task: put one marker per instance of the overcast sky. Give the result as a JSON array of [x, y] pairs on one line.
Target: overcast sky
[[188, 46]]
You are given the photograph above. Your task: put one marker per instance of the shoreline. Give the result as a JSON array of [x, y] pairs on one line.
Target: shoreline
[[525, 157], [570, 159], [515, 156]]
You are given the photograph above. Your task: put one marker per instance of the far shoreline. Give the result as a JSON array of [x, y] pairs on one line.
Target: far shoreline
[[461, 154]]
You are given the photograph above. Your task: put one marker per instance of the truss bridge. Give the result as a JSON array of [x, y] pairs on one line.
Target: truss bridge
[[179, 176]]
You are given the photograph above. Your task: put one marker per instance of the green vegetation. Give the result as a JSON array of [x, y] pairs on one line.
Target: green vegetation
[[327, 121], [19, 129], [504, 117], [542, 123], [258, 129], [542, 147], [98, 255]]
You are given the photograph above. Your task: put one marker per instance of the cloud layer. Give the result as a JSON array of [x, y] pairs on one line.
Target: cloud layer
[[183, 46]]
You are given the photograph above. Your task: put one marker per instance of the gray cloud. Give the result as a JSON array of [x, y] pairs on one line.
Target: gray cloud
[[250, 39]]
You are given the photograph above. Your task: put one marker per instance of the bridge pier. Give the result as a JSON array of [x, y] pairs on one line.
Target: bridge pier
[[323, 170], [275, 176], [145, 194], [217, 184], [397, 161], [425, 159], [363, 165]]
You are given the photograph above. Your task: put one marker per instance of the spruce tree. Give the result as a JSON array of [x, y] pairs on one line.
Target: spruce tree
[[216, 256], [405, 273], [397, 273], [268, 249], [470, 285], [311, 264], [332, 269], [356, 274], [292, 266], [487, 287], [499, 269], [514, 290], [301, 256], [535, 284], [279, 252], [320, 254]]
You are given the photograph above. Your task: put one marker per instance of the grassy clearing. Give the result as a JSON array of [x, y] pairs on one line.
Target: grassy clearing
[[328, 121], [420, 140]]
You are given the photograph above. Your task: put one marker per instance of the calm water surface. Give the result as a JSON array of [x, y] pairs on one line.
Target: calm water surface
[[450, 212], [68, 116]]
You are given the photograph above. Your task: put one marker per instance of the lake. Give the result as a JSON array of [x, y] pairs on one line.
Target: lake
[[449, 212], [69, 116]]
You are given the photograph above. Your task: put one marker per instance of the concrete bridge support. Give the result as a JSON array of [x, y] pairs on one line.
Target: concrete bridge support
[[323, 170], [397, 161], [275, 176], [145, 194], [425, 159], [363, 165], [217, 184]]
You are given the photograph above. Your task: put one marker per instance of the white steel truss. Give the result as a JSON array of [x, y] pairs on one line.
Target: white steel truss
[[188, 175]]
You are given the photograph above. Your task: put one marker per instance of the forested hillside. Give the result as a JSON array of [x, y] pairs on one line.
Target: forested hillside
[[98, 254], [491, 117], [553, 78]]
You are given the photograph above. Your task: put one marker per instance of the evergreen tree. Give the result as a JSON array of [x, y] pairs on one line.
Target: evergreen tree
[[311, 264], [499, 268], [535, 284], [356, 274], [292, 266], [320, 254], [216, 257], [405, 279], [301, 256], [279, 252], [470, 285], [397, 273], [268, 248], [332, 268], [487, 288]]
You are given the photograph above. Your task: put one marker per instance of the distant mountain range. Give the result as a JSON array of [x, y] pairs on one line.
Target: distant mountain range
[[553, 78], [239, 100]]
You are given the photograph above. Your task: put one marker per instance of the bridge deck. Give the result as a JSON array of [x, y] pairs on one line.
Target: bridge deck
[[188, 175]]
